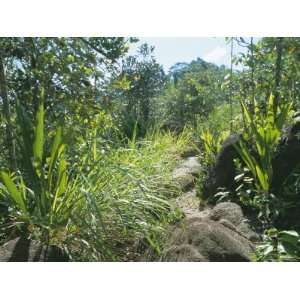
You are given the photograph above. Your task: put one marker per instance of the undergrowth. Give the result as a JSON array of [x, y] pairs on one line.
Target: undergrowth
[[128, 194], [106, 204]]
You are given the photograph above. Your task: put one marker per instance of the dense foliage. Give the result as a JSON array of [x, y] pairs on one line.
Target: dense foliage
[[89, 136], [192, 92]]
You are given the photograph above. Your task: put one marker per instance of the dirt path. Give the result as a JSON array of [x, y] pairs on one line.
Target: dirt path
[[185, 176]]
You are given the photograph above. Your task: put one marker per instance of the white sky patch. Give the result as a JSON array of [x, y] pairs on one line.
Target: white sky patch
[[216, 55]]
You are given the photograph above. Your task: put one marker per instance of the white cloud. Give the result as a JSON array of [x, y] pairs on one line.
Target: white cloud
[[216, 55]]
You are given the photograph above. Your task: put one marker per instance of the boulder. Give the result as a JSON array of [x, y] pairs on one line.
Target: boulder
[[222, 174], [183, 253], [22, 250], [230, 211], [231, 215], [218, 234], [206, 240], [286, 159]]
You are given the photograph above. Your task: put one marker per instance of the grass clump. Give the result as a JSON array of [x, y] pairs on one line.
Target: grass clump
[[129, 192]]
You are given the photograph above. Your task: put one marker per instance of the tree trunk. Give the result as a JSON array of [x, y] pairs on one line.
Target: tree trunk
[[33, 65], [252, 78], [278, 72], [6, 113]]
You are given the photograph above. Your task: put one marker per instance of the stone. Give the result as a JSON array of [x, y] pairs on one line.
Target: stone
[[22, 250], [229, 211], [183, 177], [231, 214], [221, 233], [287, 157], [222, 174], [183, 253], [185, 174], [191, 151], [188, 202], [193, 165], [208, 241]]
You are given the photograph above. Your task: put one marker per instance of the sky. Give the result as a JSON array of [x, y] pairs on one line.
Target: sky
[[169, 51]]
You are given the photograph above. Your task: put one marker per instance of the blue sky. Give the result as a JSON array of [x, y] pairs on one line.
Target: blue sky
[[169, 51]]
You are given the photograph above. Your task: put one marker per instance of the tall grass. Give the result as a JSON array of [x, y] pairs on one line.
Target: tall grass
[[103, 205], [128, 192]]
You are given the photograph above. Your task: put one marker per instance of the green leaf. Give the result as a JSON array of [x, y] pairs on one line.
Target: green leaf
[[25, 139], [38, 143], [268, 250], [263, 178], [13, 192], [56, 145], [239, 177], [289, 236]]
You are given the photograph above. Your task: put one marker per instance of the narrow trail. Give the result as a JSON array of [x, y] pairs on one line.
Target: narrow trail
[[217, 233], [185, 176]]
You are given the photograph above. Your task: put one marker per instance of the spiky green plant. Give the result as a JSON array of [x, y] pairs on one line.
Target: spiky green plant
[[256, 149], [41, 194], [212, 144], [264, 130]]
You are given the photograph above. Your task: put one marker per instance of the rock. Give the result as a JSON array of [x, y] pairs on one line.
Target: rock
[[183, 253], [186, 172], [233, 214], [287, 157], [203, 214], [22, 250], [208, 241], [218, 234], [222, 174], [193, 165], [184, 178], [191, 151], [188, 202], [229, 211], [246, 230]]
